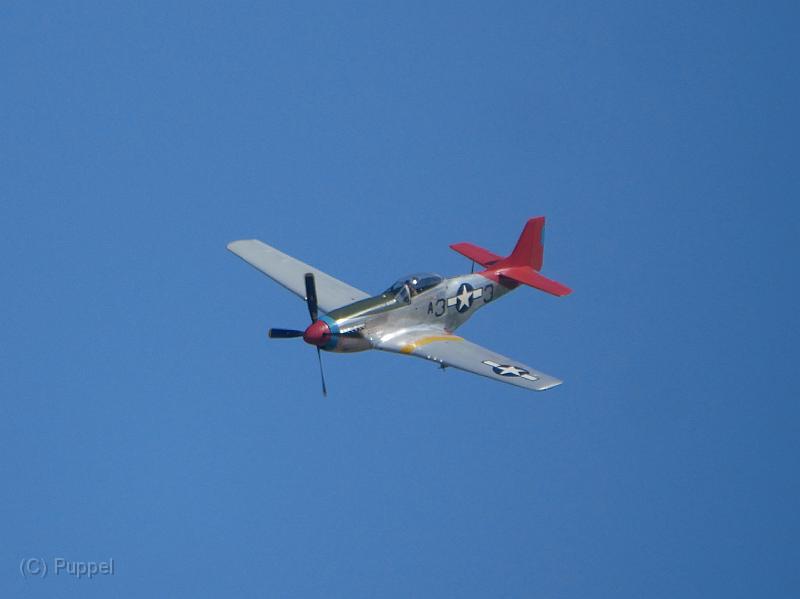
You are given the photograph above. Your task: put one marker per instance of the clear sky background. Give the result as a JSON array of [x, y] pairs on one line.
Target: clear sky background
[[146, 417]]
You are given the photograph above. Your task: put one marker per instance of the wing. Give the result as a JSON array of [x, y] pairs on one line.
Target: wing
[[290, 272], [450, 350]]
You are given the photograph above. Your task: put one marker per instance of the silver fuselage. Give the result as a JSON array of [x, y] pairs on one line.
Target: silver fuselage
[[448, 305]]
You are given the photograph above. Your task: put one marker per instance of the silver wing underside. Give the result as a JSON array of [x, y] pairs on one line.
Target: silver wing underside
[[290, 272], [451, 350]]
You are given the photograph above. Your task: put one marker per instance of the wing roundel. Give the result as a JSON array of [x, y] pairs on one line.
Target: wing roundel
[[446, 349]]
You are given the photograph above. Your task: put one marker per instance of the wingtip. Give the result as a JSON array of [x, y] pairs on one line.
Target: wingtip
[[233, 245], [550, 384]]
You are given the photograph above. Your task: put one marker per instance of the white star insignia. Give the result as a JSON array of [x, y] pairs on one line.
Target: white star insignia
[[509, 370], [464, 297]]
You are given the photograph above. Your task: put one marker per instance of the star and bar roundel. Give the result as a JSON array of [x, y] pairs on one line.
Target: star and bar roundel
[[463, 299], [509, 370]]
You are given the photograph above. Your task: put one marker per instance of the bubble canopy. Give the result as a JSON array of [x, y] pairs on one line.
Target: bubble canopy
[[419, 281]]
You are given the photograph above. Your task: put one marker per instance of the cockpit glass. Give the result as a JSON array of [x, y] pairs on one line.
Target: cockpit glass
[[420, 282]]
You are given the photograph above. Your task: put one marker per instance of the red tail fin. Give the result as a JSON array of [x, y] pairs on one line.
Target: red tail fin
[[523, 264], [529, 250]]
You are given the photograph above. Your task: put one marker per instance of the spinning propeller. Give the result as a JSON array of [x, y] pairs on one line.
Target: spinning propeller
[[318, 333]]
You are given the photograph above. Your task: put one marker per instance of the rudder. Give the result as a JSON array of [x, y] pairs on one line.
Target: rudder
[[529, 250]]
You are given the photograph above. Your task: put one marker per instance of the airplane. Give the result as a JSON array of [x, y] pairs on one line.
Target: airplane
[[419, 313]]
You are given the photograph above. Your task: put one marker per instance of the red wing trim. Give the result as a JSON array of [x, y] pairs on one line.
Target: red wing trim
[[478, 254], [528, 276]]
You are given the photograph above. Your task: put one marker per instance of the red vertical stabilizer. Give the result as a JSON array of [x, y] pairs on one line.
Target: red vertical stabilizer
[[529, 250], [523, 264]]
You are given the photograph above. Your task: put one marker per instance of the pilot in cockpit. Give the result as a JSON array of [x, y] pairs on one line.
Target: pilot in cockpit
[[411, 284]]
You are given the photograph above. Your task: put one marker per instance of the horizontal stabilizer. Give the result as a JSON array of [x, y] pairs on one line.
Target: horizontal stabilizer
[[523, 264], [477, 254], [527, 276]]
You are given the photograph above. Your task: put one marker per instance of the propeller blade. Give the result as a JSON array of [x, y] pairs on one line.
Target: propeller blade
[[284, 333], [322, 374], [311, 296]]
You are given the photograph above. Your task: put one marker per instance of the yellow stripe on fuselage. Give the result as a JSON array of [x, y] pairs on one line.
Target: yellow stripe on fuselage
[[410, 347]]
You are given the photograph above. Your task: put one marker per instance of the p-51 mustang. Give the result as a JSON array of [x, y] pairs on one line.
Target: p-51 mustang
[[418, 314]]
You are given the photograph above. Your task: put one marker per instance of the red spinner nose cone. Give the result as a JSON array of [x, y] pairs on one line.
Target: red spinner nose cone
[[317, 334]]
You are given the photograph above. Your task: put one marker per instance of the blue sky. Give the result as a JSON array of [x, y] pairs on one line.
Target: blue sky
[[146, 417]]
